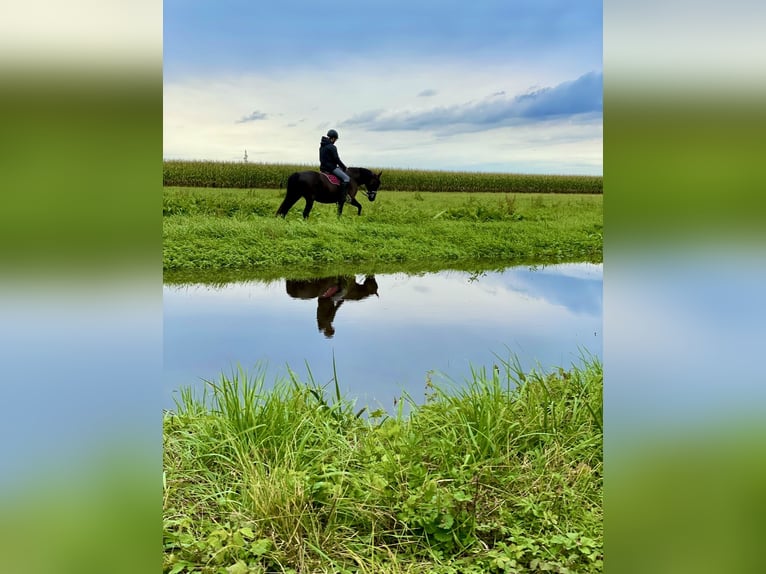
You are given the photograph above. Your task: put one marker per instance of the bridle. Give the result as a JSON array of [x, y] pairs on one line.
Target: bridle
[[369, 193]]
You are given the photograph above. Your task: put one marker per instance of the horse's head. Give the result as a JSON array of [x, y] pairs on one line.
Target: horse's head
[[370, 285], [373, 185]]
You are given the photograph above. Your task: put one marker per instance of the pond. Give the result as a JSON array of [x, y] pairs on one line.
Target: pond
[[386, 334]]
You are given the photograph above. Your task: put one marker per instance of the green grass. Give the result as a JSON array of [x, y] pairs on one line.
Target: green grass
[[219, 229], [269, 176], [501, 474]]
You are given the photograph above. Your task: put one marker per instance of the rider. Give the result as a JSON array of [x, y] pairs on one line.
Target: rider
[[329, 162]]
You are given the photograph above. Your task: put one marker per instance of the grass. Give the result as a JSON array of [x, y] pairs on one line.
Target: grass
[[501, 474], [218, 229]]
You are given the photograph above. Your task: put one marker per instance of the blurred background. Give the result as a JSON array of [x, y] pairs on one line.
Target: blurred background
[[81, 286], [684, 277]]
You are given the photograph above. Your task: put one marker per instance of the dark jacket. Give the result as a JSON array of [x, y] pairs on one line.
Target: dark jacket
[[328, 156]]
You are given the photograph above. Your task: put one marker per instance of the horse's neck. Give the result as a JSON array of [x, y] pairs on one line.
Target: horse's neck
[[362, 175], [356, 292]]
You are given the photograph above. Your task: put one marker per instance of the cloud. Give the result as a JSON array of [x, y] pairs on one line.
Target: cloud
[[566, 100], [427, 93], [255, 116], [198, 122], [583, 95]]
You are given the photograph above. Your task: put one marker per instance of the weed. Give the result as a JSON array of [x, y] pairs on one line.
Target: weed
[[502, 474]]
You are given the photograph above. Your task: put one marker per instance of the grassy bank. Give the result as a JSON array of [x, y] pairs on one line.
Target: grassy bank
[[273, 176], [224, 276], [208, 229], [500, 475]]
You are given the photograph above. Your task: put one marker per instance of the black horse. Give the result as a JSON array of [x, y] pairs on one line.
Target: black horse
[[315, 186], [330, 293]]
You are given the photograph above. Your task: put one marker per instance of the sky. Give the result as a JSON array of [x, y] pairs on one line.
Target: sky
[[509, 86]]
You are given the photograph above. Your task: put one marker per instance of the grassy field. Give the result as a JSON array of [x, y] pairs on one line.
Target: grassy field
[[271, 176], [208, 229], [503, 474], [500, 475]]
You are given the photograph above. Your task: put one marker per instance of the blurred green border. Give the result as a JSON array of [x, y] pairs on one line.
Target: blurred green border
[[81, 156], [82, 170]]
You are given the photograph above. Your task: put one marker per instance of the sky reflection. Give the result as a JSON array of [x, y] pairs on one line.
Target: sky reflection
[[439, 323]]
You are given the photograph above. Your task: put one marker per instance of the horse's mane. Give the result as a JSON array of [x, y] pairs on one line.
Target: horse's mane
[[364, 173]]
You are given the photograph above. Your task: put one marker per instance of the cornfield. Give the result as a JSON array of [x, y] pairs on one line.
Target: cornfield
[[274, 176]]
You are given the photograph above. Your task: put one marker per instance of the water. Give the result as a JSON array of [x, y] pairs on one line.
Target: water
[[386, 336]]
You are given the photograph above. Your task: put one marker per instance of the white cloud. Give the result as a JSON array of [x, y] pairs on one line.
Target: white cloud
[[255, 116], [297, 107], [571, 99]]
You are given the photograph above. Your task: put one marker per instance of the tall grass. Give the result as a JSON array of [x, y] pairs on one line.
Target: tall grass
[[501, 474], [206, 229], [269, 176]]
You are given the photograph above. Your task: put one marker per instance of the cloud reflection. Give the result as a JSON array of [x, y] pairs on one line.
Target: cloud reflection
[[445, 322]]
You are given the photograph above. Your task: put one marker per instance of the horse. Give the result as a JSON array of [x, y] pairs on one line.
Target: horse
[[316, 186], [330, 293]]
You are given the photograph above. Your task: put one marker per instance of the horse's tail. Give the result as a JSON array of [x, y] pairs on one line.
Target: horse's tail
[[288, 202], [292, 179]]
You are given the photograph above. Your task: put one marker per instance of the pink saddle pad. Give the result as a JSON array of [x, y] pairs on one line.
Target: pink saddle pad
[[330, 292], [333, 179]]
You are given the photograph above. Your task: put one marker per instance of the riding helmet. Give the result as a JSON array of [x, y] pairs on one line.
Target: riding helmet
[[332, 134]]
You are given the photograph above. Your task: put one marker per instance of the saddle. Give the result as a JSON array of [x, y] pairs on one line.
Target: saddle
[[333, 178], [334, 292]]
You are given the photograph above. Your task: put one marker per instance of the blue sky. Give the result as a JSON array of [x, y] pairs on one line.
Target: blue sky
[[496, 85]]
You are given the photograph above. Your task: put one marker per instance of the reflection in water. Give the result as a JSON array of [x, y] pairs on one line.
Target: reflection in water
[[331, 293], [440, 324]]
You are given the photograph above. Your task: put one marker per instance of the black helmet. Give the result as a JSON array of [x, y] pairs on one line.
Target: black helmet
[[332, 134]]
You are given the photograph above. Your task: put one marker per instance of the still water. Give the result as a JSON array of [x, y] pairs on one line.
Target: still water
[[386, 333]]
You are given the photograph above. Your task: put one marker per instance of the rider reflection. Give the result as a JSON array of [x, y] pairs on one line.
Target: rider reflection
[[331, 293]]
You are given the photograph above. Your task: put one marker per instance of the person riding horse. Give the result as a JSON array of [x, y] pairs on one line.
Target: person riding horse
[[329, 162], [330, 293]]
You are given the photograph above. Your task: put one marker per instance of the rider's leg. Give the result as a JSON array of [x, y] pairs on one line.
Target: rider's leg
[[344, 179]]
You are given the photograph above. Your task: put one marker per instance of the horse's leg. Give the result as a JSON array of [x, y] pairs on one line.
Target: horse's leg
[[340, 207], [356, 204], [307, 209], [293, 194], [288, 202]]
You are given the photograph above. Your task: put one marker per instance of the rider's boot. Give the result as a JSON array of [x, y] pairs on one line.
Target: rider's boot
[[343, 191]]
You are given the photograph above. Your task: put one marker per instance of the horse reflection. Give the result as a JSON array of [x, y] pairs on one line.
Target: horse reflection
[[331, 293]]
